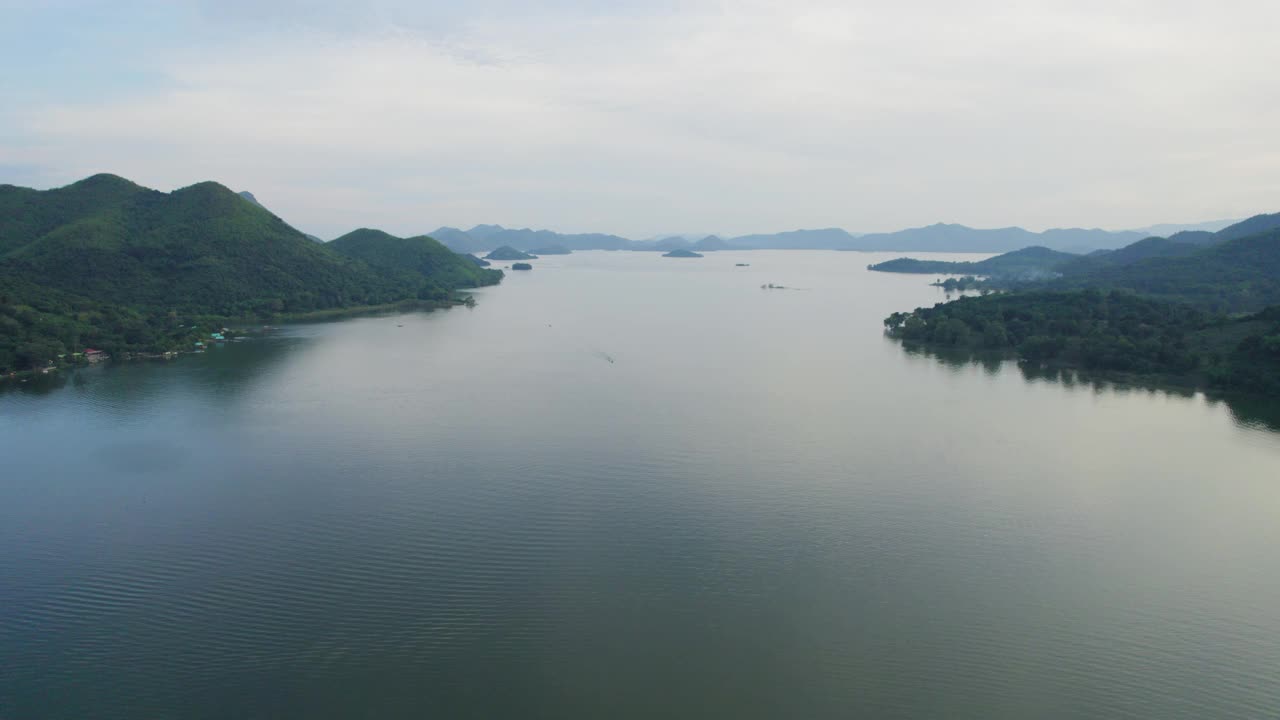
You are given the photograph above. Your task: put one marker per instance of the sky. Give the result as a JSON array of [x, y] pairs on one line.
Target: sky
[[648, 118]]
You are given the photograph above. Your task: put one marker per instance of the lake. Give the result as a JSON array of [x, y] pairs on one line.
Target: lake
[[630, 486]]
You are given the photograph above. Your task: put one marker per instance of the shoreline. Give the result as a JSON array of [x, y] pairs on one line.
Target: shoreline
[[1182, 385], [243, 328], [368, 310]]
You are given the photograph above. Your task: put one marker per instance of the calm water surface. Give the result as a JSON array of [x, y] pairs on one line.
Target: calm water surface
[[633, 487]]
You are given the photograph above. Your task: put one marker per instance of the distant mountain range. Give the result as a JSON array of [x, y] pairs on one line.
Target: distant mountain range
[[940, 237], [483, 238], [959, 238], [825, 239], [1167, 229], [1236, 269]]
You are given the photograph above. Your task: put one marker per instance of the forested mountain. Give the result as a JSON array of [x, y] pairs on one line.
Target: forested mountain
[[417, 256], [106, 262], [1168, 230], [484, 232], [201, 249], [824, 239], [483, 238], [1194, 237], [526, 239], [1236, 269], [1238, 275], [1245, 228], [711, 242], [1151, 247], [1026, 264], [26, 215], [1156, 308], [940, 237], [459, 240], [959, 238]]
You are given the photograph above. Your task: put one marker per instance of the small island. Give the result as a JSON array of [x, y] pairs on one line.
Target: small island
[[682, 253], [506, 252], [552, 250], [521, 266]]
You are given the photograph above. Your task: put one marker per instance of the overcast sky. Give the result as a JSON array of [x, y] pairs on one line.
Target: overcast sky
[[643, 118]]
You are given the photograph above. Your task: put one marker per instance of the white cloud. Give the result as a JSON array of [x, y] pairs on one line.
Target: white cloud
[[738, 116]]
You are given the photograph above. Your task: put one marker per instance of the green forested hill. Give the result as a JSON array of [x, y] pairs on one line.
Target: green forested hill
[[38, 324], [1245, 228], [107, 262], [1027, 263], [1235, 270], [26, 214], [1235, 276], [419, 255], [1151, 247], [1157, 309], [1115, 332], [199, 249]]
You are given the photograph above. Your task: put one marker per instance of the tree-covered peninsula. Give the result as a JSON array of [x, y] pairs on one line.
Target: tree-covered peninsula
[[1208, 316], [110, 265], [1027, 263]]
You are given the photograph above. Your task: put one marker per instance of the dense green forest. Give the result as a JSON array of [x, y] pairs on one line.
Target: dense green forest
[[414, 257], [1151, 247], [38, 325], [1203, 313], [106, 263], [1239, 275], [1253, 226], [1107, 331]]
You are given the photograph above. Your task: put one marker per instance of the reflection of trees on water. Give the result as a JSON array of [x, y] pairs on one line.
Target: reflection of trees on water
[[41, 384], [221, 373], [959, 359], [1253, 412]]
